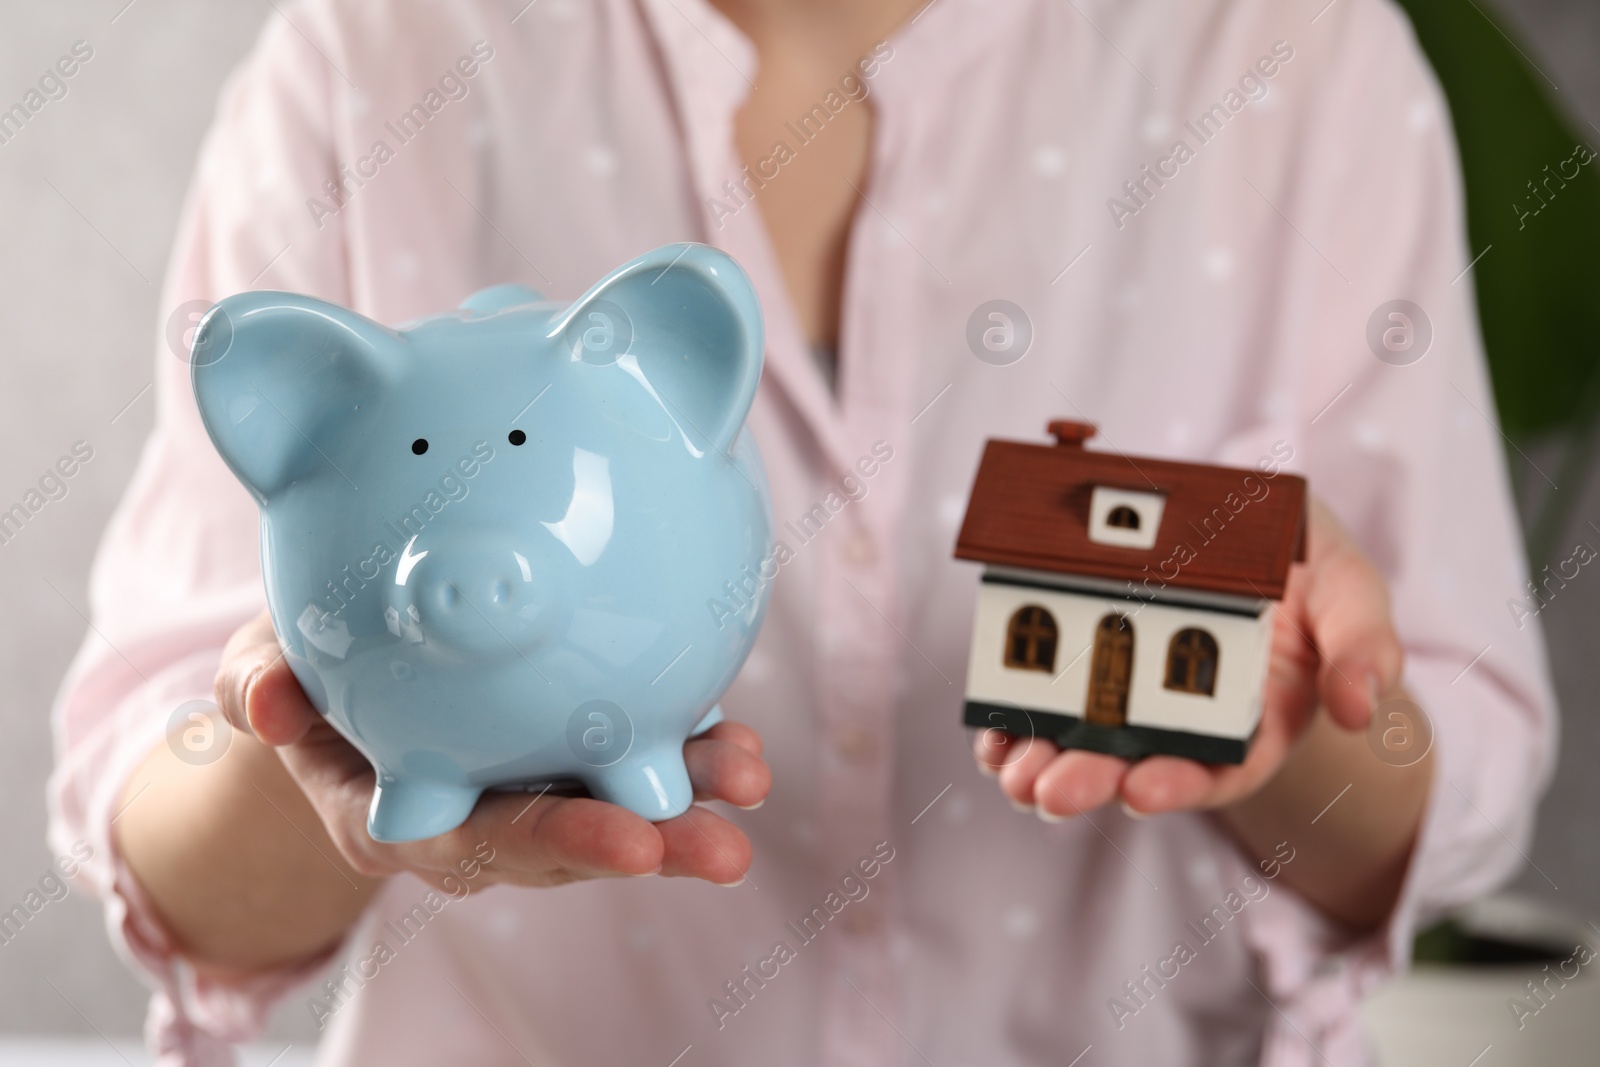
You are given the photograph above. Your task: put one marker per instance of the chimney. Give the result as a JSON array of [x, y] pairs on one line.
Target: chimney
[[1071, 433]]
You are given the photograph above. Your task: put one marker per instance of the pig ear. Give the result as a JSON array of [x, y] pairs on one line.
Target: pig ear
[[689, 316], [280, 380]]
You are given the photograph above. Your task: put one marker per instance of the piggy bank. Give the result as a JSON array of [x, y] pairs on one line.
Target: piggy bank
[[518, 543]]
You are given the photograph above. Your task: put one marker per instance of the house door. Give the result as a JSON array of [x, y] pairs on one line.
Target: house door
[[1109, 671]]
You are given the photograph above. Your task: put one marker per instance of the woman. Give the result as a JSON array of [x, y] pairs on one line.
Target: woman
[[1196, 209]]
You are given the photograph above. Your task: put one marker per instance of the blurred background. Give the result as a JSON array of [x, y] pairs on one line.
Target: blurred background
[[90, 192]]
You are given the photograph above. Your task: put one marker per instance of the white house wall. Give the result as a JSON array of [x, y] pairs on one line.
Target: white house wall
[[1242, 646]]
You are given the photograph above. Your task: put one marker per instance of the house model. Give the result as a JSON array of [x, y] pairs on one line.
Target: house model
[[1127, 603]]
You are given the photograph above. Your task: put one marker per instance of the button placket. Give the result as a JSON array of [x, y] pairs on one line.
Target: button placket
[[857, 648], [857, 594]]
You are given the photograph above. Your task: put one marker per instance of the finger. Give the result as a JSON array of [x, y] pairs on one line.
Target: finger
[[245, 653], [1167, 783], [737, 733], [1351, 688], [276, 708], [1347, 609], [255, 690], [723, 770], [545, 840], [994, 748], [702, 844], [1075, 782], [536, 840], [1019, 774]]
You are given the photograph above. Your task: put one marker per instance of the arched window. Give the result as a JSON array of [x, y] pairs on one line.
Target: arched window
[[1031, 639], [1192, 662], [1124, 516]]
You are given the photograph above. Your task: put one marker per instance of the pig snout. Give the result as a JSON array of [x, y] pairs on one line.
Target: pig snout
[[475, 594]]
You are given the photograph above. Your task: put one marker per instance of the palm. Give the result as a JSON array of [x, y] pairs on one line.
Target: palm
[[1336, 603], [551, 839], [538, 840]]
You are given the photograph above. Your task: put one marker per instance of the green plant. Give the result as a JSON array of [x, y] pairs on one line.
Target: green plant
[[1538, 281]]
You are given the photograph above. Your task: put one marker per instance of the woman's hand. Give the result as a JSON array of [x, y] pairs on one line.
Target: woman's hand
[[1333, 644], [536, 842]]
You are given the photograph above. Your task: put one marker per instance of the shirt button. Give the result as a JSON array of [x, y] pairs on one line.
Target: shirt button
[[860, 550], [856, 744]]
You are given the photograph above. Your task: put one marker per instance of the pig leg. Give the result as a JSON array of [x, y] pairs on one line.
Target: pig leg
[[653, 783], [713, 717], [405, 810]]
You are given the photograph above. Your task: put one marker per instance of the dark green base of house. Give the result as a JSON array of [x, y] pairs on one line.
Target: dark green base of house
[[1129, 742]]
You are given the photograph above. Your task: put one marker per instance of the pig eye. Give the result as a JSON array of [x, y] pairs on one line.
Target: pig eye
[[419, 446], [516, 437]]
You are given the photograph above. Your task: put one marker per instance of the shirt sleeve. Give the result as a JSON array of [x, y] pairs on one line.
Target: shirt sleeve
[[1405, 449], [178, 569]]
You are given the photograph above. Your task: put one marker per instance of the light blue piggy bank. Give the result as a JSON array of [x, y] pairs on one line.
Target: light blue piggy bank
[[517, 543]]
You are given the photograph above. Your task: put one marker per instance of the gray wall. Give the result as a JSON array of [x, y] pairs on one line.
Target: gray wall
[[80, 274], [80, 268]]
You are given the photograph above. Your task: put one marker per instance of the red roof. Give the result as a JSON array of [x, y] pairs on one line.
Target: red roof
[[1223, 529]]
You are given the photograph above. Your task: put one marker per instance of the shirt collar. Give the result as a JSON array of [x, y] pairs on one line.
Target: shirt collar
[[711, 67]]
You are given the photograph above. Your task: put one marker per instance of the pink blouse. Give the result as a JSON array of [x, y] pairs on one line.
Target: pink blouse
[[1197, 204]]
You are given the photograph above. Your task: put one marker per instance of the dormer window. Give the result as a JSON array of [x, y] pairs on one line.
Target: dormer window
[[1124, 517]]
